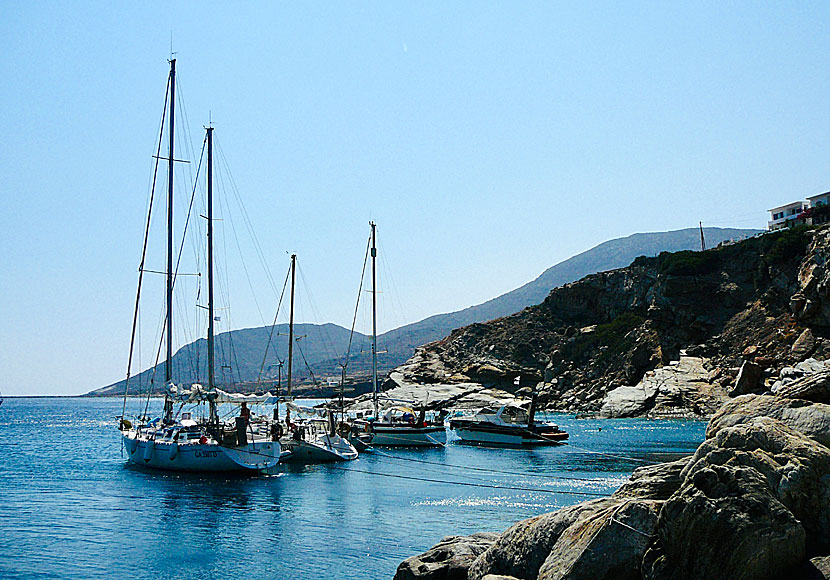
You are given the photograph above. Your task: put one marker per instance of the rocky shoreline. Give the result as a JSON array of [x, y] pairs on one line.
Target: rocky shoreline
[[753, 502]]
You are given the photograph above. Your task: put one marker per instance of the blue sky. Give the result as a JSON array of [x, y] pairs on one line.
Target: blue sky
[[488, 140]]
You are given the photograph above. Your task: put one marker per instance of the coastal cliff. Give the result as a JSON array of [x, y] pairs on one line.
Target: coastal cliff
[[671, 335], [753, 502]]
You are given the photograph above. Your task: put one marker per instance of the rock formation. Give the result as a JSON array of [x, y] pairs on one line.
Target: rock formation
[[607, 342], [753, 502]]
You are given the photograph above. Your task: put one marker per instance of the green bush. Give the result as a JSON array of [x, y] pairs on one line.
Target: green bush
[[611, 334], [785, 245], [688, 263]]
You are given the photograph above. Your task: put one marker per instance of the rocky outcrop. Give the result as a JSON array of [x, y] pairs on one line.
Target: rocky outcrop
[[654, 481], [679, 388], [447, 560], [753, 502], [811, 419], [811, 387], [593, 345]]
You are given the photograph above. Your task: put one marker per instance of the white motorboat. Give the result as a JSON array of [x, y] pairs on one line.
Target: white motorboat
[[509, 425]]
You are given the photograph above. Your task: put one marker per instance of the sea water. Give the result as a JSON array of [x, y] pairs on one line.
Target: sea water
[[71, 507]]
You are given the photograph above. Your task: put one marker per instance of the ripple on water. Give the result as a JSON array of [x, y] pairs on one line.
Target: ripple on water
[[71, 508]]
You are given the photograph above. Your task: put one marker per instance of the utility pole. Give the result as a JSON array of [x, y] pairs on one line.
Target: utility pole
[[702, 240]]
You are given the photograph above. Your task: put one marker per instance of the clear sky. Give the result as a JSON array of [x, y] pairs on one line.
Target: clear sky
[[489, 140]]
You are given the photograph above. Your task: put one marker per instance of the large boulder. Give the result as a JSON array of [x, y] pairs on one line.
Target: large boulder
[[795, 467], [523, 548], [724, 523], [755, 501], [653, 481], [605, 545], [447, 560], [812, 419], [748, 379]]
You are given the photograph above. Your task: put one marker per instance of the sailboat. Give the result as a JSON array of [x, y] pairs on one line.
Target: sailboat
[[177, 441], [314, 440], [399, 426]]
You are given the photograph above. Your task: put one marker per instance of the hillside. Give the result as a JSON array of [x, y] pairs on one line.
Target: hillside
[[759, 300], [608, 255], [323, 346]]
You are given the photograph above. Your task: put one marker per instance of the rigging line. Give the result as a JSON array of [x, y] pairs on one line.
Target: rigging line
[[241, 255], [246, 219], [396, 295], [328, 344], [144, 254], [468, 484], [305, 362], [484, 469], [357, 304], [186, 324], [273, 326]]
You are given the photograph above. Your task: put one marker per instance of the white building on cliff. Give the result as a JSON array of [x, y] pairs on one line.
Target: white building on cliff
[[814, 211]]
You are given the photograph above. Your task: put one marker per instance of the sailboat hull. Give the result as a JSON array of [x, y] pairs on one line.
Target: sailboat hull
[[208, 457], [314, 452], [405, 436]]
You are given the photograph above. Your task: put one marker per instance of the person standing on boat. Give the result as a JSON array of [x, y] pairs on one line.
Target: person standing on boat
[[245, 412]]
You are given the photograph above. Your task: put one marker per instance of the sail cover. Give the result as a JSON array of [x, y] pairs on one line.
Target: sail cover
[[198, 393]]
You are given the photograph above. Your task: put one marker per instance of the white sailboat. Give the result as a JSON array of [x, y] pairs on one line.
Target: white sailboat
[[398, 426], [314, 440], [176, 441]]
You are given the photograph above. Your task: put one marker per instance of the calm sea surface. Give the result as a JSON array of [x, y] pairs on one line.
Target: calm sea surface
[[70, 507]]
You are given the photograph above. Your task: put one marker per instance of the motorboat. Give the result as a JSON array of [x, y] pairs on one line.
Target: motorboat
[[509, 424]]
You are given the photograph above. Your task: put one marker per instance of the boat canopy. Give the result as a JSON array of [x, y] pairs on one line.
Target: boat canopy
[[306, 410], [198, 393]]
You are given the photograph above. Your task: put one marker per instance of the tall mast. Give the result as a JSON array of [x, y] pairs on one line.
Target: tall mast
[[168, 373], [168, 367], [210, 345], [374, 325], [291, 323]]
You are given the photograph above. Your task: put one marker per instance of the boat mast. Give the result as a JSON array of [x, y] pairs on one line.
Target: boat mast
[[168, 367], [374, 325], [291, 324], [210, 341]]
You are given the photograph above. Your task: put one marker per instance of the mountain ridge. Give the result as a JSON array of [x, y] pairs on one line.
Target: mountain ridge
[[326, 342]]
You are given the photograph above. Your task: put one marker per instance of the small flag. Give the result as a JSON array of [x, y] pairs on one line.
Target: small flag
[[217, 318]]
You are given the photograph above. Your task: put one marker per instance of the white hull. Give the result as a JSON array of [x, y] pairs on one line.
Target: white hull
[[206, 457], [471, 436], [320, 451], [404, 436]]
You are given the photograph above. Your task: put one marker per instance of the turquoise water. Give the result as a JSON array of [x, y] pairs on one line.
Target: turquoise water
[[70, 506]]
